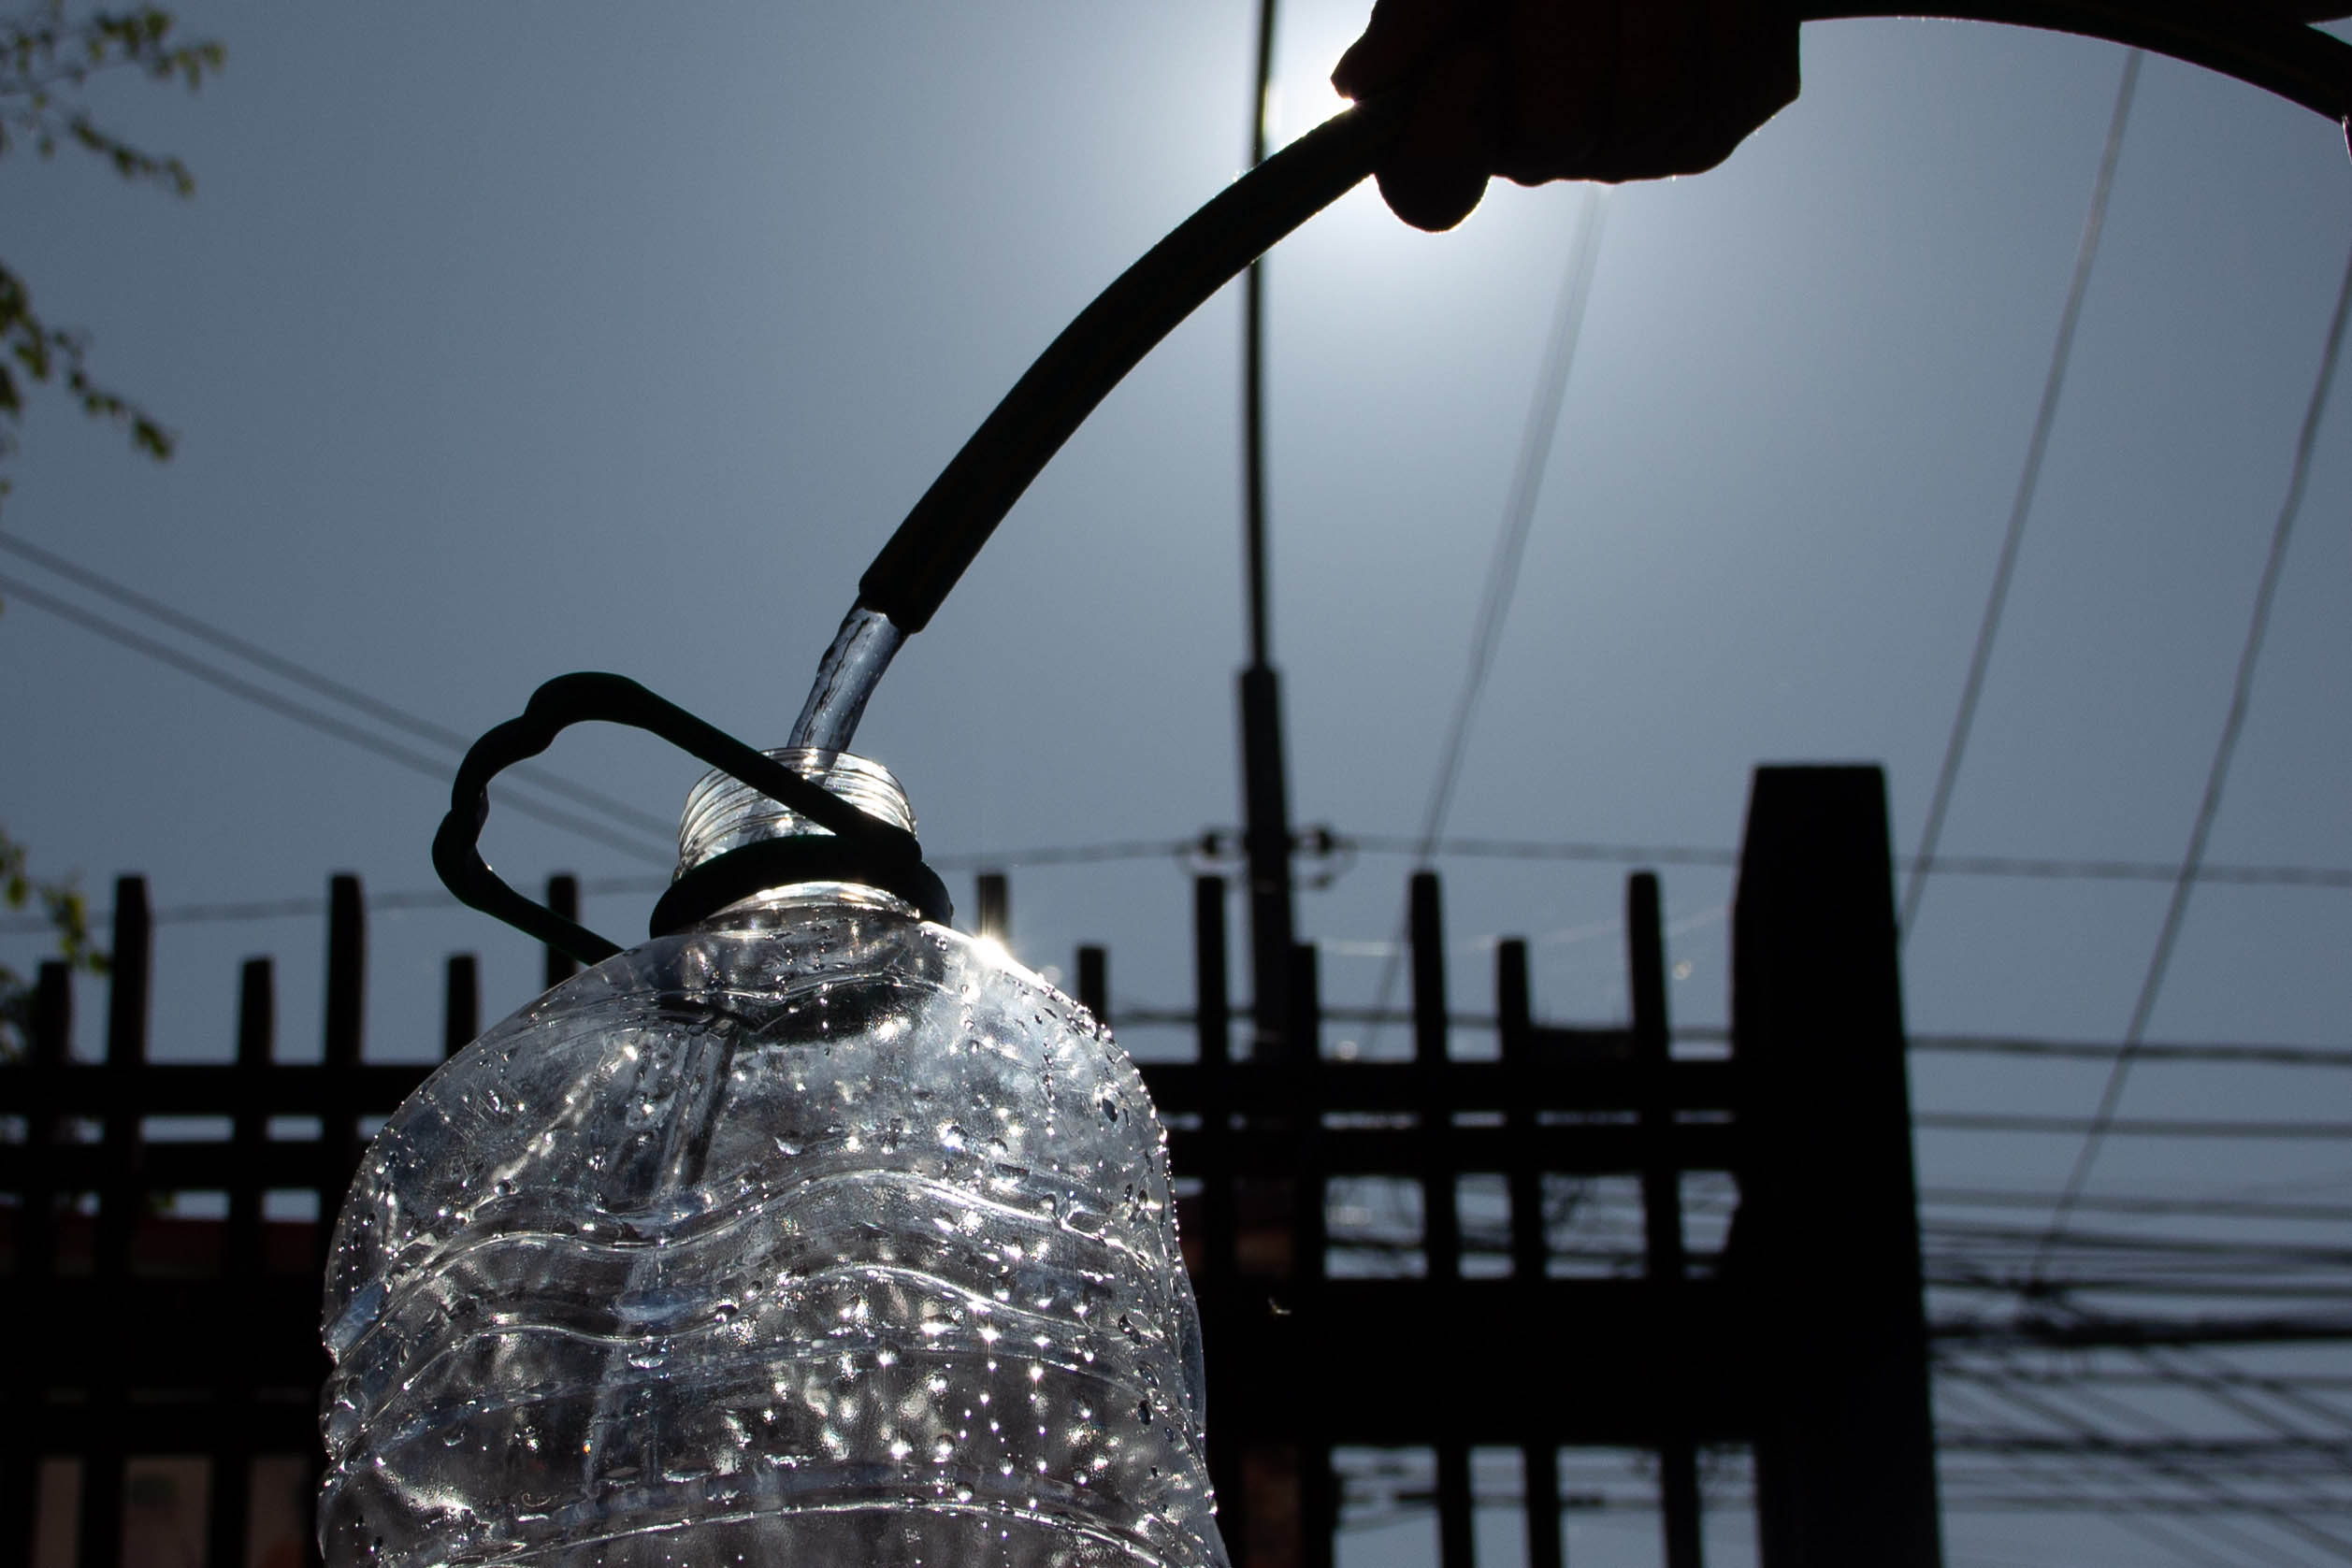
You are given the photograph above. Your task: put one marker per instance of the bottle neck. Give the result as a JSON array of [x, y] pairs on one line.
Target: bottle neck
[[724, 814]]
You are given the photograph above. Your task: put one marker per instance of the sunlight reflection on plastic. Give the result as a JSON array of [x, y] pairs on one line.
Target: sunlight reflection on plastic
[[748, 1244]]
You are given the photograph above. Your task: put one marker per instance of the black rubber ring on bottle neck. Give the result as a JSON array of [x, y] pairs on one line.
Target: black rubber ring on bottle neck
[[767, 863]]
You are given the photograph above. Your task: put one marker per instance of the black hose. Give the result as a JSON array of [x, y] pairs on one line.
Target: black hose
[[1110, 338], [938, 539], [2254, 43]]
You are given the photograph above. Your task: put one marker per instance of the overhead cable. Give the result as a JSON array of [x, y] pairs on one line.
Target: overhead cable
[[2036, 868], [2218, 1492], [1510, 543], [2142, 1127], [2028, 479], [311, 718], [2145, 1495], [1185, 850], [2290, 1508], [2213, 1379], [2225, 750], [1518, 510], [310, 680], [2218, 1208], [2092, 1050]]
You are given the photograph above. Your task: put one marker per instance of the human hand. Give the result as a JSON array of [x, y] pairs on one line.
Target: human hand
[[1542, 90]]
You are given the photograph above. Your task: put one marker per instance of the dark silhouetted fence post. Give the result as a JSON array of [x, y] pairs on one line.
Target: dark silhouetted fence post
[[257, 1045], [563, 897], [49, 1045], [227, 1510], [1662, 1209], [339, 1144], [119, 1198], [992, 908], [1845, 1464], [461, 1003], [1539, 1462], [52, 1049], [1094, 983], [346, 1012], [1303, 1052], [1212, 1024], [1441, 1221], [1266, 843]]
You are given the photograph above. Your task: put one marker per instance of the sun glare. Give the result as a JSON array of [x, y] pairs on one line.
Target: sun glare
[[1312, 36], [1297, 101]]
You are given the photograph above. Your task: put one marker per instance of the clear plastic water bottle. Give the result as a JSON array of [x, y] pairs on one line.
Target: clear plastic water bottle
[[816, 1233]]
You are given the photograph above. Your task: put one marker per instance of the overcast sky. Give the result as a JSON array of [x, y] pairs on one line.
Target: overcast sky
[[505, 342]]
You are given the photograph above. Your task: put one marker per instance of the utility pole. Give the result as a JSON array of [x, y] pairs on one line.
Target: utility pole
[[1265, 789]]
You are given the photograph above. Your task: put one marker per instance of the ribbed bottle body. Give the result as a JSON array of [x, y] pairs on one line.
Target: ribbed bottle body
[[816, 1234]]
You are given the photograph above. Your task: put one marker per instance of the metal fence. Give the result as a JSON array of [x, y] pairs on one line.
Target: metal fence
[[1387, 1253]]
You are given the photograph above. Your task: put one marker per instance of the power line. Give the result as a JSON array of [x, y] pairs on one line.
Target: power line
[[1953, 1276], [2040, 1333], [2122, 1517], [2214, 1382], [1518, 510], [302, 675], [2168, 1539], [1183, 849], [1983, 1198], [1066, 854], [1393, 1238], [2289, 1454], [2125, 1513], [2110, 1509], [311, 718], [1218, 842], [2111, 1246], [2243, 1450], [1510, 543], [2134, 870], [1952, 1238], [2040, 868], [2241, 693], [2216, 1208], [2306, 1501], [2087, 1050], [2125, 1377], [1973, 1121], [2028, 479], [238, 911], [2275, 1512], [1957, 1275]]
